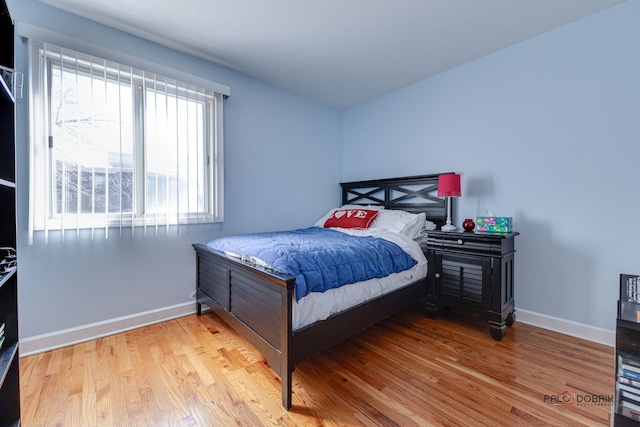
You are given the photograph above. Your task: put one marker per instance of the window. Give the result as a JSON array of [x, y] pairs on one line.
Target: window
[[115, 146]]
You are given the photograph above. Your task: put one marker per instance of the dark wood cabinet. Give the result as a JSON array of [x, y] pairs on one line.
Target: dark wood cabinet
[[472, 273], [9, 363], [627, 393], [627, 365]]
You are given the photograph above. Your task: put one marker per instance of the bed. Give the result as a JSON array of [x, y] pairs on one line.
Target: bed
[[260, 303]]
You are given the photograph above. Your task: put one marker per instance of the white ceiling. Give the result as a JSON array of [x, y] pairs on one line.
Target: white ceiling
[[338, 52]]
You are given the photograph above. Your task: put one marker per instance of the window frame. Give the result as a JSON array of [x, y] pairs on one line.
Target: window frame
[[45, 216]]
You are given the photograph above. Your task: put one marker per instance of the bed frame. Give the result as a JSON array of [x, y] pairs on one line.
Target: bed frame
[[256, 302]]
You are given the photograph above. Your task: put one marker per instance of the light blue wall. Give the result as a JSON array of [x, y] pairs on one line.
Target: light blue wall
[[546, 131], [270, 135]]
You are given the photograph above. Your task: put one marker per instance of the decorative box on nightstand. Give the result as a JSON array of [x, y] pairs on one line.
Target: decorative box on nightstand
[[472, 273]]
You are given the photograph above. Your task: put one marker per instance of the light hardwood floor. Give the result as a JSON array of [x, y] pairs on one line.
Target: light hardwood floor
[[406, 371]]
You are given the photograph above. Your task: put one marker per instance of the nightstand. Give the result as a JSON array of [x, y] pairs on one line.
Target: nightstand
[[472, 273]]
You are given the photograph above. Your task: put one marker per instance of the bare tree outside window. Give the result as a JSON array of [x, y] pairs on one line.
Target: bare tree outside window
[[92, 143]]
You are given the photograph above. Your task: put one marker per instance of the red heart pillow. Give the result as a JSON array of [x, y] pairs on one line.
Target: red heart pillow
[[351, 218]]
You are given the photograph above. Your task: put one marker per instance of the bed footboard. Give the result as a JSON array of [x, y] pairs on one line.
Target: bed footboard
[[255, 302]]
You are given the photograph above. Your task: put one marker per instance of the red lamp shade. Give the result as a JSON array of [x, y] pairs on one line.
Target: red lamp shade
[[449, 185]]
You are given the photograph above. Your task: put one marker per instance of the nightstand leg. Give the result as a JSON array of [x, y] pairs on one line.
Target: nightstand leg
[[497, 330], [511, 318], [432, 311]]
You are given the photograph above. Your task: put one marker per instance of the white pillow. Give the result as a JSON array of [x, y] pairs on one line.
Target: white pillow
[[321, 221], [400, 222]]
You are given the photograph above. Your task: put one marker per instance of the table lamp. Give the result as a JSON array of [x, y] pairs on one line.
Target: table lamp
[[449, 186]]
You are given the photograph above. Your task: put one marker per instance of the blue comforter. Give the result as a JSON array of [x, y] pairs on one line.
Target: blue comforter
[[320, 258]]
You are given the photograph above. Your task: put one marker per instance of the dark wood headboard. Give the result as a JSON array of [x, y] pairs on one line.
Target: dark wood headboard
[[411, 193]]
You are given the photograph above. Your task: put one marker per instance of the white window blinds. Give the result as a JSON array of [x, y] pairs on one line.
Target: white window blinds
[[115, 146]]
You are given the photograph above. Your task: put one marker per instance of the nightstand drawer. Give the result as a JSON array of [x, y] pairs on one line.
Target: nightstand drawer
[[462, 243], [470, 243]]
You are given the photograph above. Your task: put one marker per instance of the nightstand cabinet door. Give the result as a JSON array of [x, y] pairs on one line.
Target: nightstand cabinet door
[[462, 278]]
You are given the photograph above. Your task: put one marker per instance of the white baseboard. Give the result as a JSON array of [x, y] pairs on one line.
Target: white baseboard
[[53, 340], [567, 327]]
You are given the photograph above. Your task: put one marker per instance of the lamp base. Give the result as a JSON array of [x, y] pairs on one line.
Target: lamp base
[[448, 227]]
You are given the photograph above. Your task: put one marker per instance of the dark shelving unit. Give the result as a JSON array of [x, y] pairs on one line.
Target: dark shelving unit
[[9, 363], [627, 392]]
